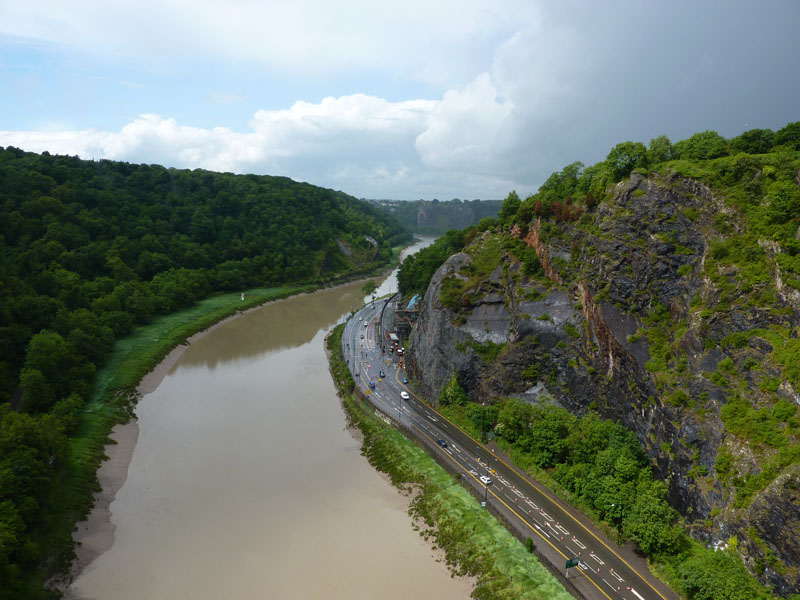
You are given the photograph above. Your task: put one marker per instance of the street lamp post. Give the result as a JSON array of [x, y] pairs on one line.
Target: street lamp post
[[486, 492]]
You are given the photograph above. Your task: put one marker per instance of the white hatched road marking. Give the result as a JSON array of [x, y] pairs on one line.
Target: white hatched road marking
[[578, 543], [597, 558], [635, 593]]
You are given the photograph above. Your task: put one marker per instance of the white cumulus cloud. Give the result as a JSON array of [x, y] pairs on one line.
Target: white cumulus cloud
[[362, 144], [466, 129]]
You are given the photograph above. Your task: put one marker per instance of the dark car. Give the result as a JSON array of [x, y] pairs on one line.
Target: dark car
[[442, 443], [381, 373], [405, 379]]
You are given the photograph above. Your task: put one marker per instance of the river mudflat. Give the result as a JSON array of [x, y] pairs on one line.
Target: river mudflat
[[239, 478]]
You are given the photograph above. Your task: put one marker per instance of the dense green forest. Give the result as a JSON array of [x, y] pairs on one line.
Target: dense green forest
[[435, 217], [91, 249], [752, 233]]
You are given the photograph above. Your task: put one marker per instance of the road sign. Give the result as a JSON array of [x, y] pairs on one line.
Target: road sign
[[572, 562]]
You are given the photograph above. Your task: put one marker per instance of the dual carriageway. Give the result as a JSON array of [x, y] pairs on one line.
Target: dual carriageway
[[559, 532]]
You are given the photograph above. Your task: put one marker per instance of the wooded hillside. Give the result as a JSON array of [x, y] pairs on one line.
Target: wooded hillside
[[90, 249]]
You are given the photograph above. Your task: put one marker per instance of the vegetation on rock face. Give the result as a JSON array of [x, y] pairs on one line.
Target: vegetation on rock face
[[683, 265], [89, 251], [416, 271]]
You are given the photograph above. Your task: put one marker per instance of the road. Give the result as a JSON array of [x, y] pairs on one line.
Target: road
[[558, 531]]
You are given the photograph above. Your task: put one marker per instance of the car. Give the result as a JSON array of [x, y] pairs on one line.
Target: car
[[400, 351], [404, 395], [442, 443], [486, 480], [366, 324], [381, 374], [405, 379], [362, 336]]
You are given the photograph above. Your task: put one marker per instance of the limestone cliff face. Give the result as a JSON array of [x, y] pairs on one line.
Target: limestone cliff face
[[630, 320]]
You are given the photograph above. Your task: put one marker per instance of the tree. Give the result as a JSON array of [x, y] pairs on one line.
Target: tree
[[789, 135], [783, 202], [625, 157], [660, 150], [702, 146], [651, 522], [369, 289], [453, 394], [37, 394], [754, 141], [51, 356], [510, 207]]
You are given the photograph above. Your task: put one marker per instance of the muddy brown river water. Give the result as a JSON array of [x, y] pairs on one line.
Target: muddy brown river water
[[244, 482]]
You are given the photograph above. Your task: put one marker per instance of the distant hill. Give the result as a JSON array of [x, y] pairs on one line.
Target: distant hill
[[434, 217]]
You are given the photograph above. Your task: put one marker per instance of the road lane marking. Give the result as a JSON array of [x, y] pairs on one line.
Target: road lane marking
[[558, 504], [608, 584], [500, 500], [561, 529], [578, 543], [635, 593], [597, 558], [541, 533]]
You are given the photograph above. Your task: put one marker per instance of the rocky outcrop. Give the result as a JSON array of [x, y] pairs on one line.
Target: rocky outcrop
[[628, 320]]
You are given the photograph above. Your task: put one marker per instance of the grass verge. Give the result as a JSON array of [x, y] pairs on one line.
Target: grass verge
[[474, 543]]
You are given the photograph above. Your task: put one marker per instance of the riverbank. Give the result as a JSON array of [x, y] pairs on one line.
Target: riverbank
[[100, 451], [473, 543], [108, 431]]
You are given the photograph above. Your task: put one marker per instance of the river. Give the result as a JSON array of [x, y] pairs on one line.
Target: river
[[244, 482]]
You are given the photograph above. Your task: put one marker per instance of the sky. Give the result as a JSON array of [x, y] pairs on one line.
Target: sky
[[403, 100]]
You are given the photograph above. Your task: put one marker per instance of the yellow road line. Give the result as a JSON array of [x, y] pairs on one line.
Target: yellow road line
[[568, 513], [521, 518]]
